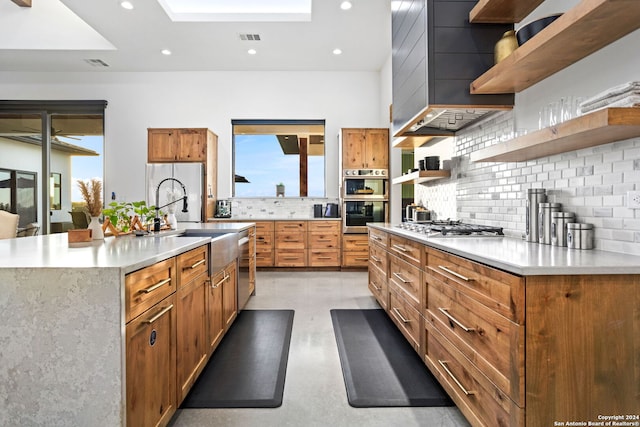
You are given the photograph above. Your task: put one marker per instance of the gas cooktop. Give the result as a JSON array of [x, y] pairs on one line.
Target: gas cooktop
[[448, 228]]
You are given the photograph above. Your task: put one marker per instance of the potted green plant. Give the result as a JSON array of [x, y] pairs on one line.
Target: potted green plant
[[125, 216], [280, 189]]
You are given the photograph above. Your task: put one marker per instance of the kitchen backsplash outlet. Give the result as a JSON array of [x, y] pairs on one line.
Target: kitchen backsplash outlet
[[276, 208], [592, 183]]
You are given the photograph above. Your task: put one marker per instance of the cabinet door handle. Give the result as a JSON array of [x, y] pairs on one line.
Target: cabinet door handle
[[361, 259], [398, 314], [375, 258], [376, 286], [400, 248], [202, 261], [362, 243], [154, 287], [453, 377], [159, 315], [458, 275], [324, 240], [454, 320], [220, 282], [402, 279]]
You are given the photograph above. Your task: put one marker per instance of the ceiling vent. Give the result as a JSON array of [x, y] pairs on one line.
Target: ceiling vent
[[96, 62], [250, 37]]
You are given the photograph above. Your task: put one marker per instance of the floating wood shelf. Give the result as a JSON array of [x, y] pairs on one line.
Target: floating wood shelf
[[421, 176], [502, 11], [582, 30], [597, 128], [411, 142]]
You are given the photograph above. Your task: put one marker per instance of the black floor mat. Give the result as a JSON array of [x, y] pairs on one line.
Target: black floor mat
[[248, 368], [379, 366]]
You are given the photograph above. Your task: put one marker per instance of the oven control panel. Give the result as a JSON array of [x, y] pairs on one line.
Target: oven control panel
[[348, 173]]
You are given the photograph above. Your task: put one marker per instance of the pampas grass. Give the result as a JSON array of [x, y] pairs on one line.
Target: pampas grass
[[92, 195]]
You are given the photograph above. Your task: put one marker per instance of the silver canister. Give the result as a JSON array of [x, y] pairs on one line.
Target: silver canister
[[535, 196], [579, 236], [559, 221], [544, 221]]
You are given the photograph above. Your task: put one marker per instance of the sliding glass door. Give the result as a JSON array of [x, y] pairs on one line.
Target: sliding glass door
[[45, 148]]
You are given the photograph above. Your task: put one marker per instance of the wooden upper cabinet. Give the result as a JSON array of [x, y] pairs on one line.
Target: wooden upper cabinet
[[177, 145], [365, 148]]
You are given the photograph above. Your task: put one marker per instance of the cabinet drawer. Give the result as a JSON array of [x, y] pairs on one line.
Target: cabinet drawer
[[145, 287], [264, 227], [477, 398], [407, 279], [378, 287], [406, 249], [379, 237], [355, 242], [191, 264], [291, 226], [331, 227], [324, 257], [264, 240], [291, 258], [355, 259], [407, 318], [264, 258], [494, 343], [498, 290], [322, 240], [378, 259], [291, 240]]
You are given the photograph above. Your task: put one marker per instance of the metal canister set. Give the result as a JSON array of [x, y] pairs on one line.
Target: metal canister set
[[547, 224]]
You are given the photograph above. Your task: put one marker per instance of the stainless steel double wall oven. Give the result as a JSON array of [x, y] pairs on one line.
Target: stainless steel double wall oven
[[365, 198]]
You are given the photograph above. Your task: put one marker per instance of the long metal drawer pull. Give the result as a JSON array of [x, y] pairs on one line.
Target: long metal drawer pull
[[400, 315], [159, 315], [401, 278], [202, 261], [453, 377], [454, 320], [220, 282], [375, 258], [400, 248], [458, 275], [362, 259], [378, 288], [154, 287], [374, 237], [324, 257]]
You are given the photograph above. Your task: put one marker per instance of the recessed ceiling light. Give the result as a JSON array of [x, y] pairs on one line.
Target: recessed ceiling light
[[252, 51], [166, 52], [345, 5], [126, 5], [337, 51]]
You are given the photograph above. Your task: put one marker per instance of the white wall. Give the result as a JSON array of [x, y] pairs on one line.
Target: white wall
[[137, 101]]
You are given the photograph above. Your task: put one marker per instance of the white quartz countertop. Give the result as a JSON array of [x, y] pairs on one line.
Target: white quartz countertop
[[127, 252], [525, 258], [274, 219]]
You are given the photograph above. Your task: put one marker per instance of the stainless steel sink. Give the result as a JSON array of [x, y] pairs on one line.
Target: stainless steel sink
[[223, 248]]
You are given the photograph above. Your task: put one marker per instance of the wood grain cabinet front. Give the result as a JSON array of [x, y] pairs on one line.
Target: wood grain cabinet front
[[146, 287], [355, 250], [151, 365], [365, 148], [265, 243], [323, 243], [291, 244]]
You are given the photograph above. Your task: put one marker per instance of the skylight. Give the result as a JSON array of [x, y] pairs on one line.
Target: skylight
[[237, 10]]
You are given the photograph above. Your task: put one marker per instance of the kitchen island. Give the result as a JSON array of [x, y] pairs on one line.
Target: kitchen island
[[519, 334], [62, 311]]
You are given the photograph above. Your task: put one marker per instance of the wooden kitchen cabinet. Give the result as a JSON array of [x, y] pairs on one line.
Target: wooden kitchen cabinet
[[291, 243], [264, 243], [355, 250], [379, 267], [215, 311], [189, 145], [191, 318], [365, 148], [323, 242], [230, 295], [151, 365]]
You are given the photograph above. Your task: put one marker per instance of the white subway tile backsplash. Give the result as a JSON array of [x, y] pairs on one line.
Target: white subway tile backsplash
[[590, 182]]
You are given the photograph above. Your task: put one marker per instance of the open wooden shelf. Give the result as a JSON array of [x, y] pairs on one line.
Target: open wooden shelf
[[582, 30], [597, 128], [421, 176], [411, 142], [502, 11]]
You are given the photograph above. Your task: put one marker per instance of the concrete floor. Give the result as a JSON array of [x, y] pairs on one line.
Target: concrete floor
[[314, 392]]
